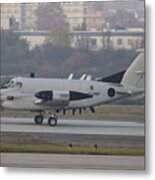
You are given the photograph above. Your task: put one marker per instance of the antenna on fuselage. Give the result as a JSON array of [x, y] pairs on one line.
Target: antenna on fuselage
[[32, 75]]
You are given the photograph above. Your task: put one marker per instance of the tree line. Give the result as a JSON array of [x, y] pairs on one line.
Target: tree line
[[51, 60]]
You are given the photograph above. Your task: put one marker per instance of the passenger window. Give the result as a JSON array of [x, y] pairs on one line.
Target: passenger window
[[19, 84]]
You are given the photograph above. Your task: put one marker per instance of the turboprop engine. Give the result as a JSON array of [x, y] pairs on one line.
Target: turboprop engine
[[61, 97], [54, 97]]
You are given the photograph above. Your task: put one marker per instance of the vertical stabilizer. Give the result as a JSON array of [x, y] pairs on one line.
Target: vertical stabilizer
[[134, 76]]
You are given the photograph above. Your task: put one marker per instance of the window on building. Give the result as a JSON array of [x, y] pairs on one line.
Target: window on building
[[130, 42], [85, 11], [119, 41], [93, 42]]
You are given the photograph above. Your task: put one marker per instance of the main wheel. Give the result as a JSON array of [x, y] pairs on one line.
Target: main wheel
[[38, 119], [52, 121]]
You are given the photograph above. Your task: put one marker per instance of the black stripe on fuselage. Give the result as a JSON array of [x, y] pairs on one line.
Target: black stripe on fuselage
[[73, 95]]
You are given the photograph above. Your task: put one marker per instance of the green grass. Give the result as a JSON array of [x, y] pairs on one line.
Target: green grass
[[62, 149]]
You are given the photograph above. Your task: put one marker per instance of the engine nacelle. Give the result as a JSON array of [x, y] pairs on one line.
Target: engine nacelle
[[61, 98], [55, 98], [61, 95]]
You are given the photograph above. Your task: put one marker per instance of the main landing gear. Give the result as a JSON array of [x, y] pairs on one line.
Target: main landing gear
[[52, 121], [39, 119]]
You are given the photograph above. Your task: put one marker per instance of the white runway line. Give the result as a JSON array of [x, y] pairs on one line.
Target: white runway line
[[97, 127]]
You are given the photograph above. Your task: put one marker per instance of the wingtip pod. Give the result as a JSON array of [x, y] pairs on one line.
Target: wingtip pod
[[134, 76]]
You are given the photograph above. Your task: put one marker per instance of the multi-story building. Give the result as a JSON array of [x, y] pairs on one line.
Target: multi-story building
[[74, 14], [95, 41], [80, 16], [18, 16], [11, 15], [93, 18], [30, 15]]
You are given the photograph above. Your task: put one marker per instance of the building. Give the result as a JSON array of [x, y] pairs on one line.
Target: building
[[11, 16], [94, 41], [80, 16], [93, 18], [18, 16], [30, 16], [74, 14]]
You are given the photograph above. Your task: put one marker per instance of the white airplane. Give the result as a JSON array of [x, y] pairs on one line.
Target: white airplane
[[43, 95]]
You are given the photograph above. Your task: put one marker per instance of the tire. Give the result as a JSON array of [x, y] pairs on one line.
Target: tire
[[52, 121], [38, 119]]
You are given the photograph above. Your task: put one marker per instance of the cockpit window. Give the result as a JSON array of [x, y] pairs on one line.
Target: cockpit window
[[9, 84], [12, 84]]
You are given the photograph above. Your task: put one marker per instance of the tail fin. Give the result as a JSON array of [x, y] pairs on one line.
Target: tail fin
[[134, 76]]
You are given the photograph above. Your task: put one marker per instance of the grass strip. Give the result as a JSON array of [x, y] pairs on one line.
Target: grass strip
[[62, 149]]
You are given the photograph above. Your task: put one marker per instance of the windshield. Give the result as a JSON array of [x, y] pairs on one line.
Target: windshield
[[9, 84], [12, 84]]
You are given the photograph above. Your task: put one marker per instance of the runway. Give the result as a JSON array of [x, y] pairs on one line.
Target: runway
[[72, 161], [105, 133], [81, 127]]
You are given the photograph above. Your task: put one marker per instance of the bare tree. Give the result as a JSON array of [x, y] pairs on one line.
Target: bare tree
[[49, 16], [59, 37], [124, 18]]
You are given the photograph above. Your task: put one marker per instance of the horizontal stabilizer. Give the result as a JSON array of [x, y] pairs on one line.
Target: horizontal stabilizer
[[123, 92], [129, 92]]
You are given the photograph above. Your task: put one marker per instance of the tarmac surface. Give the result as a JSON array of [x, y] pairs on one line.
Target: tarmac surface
[[117, 134], [83, 127], [108, 133], [76, 140], [73, 161]]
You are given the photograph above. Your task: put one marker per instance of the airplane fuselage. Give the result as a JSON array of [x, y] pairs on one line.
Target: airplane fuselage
[[66, 94], [42, 94]]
